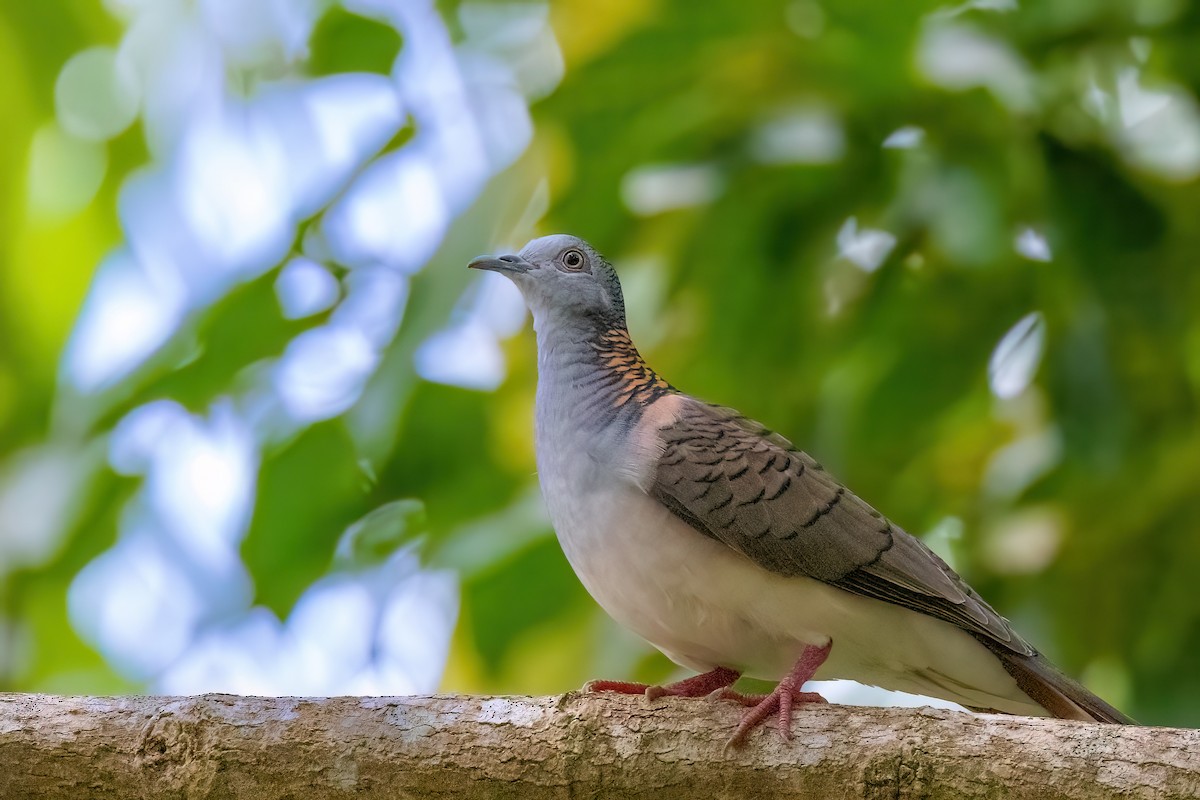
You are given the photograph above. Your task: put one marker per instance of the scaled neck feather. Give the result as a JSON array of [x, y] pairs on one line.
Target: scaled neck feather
[[591, 363]]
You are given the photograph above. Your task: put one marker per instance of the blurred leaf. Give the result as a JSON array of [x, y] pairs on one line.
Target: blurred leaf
[[344, 42], [383, 531], [300, 512], [532, 588]]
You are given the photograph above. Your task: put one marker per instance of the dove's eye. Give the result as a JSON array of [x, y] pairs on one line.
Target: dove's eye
[[573, 260]]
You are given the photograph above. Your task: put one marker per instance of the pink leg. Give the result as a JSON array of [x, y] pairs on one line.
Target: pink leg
[[782, 699], [695, 686]]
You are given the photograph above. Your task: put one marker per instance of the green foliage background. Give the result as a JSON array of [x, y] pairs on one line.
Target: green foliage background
[[743, 300]]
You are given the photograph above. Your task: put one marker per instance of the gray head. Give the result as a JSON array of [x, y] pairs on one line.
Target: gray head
[[563, 275]]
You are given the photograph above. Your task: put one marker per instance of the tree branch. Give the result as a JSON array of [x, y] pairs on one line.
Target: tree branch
[[596, 746]]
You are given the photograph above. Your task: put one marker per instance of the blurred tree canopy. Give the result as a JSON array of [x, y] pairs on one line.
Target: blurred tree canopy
[[948, 249]]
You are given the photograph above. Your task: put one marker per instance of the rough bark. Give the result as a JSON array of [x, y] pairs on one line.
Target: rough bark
[[563, 747]]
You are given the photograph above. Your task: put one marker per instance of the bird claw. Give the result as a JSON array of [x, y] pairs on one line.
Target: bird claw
[[701, 685], [779, 702], [782, 699], [717, 685]]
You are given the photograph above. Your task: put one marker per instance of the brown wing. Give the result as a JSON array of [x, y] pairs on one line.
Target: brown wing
[[735, 481]]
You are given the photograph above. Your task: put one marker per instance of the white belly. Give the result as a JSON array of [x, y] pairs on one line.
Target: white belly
[[659, 579], [704, 605]]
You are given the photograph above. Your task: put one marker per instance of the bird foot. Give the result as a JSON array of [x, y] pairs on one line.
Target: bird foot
[[749, 700], [781, 701], [702, 685], [717, 685]]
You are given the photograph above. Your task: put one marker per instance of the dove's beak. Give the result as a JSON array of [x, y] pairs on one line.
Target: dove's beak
[[501, 264]]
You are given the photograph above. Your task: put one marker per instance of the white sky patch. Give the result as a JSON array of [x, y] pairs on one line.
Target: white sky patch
[[260, 32], [431, 78], [394, 215], [654, 188], [384, 630], [801, 136], [334, 621], [176, 563], [1017, 356], [465, 355], [162, 241], [1161, 127], [134, 440], [233, 187], [304, 288], [127, 316], [329, 127], [180, 67], [136, 604], [851, 693], [201, 475], [1154, 129], [1032, 245], [1137, 104], [353, 115], [866, 248], [415, 627], [374, 304], [323, 372], [242, 656], [958, 57], [905, 138], [202, 483], [499, 304]]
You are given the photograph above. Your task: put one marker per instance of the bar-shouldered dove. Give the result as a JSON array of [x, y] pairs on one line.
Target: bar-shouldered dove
[[730, 550]]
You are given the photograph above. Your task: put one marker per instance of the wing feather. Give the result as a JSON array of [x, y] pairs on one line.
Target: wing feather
[[735, 481]]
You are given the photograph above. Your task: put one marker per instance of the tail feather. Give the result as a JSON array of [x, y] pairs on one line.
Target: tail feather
[[1059, 694]]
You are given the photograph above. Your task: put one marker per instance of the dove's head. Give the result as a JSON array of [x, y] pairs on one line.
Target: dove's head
[[561, 276]]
